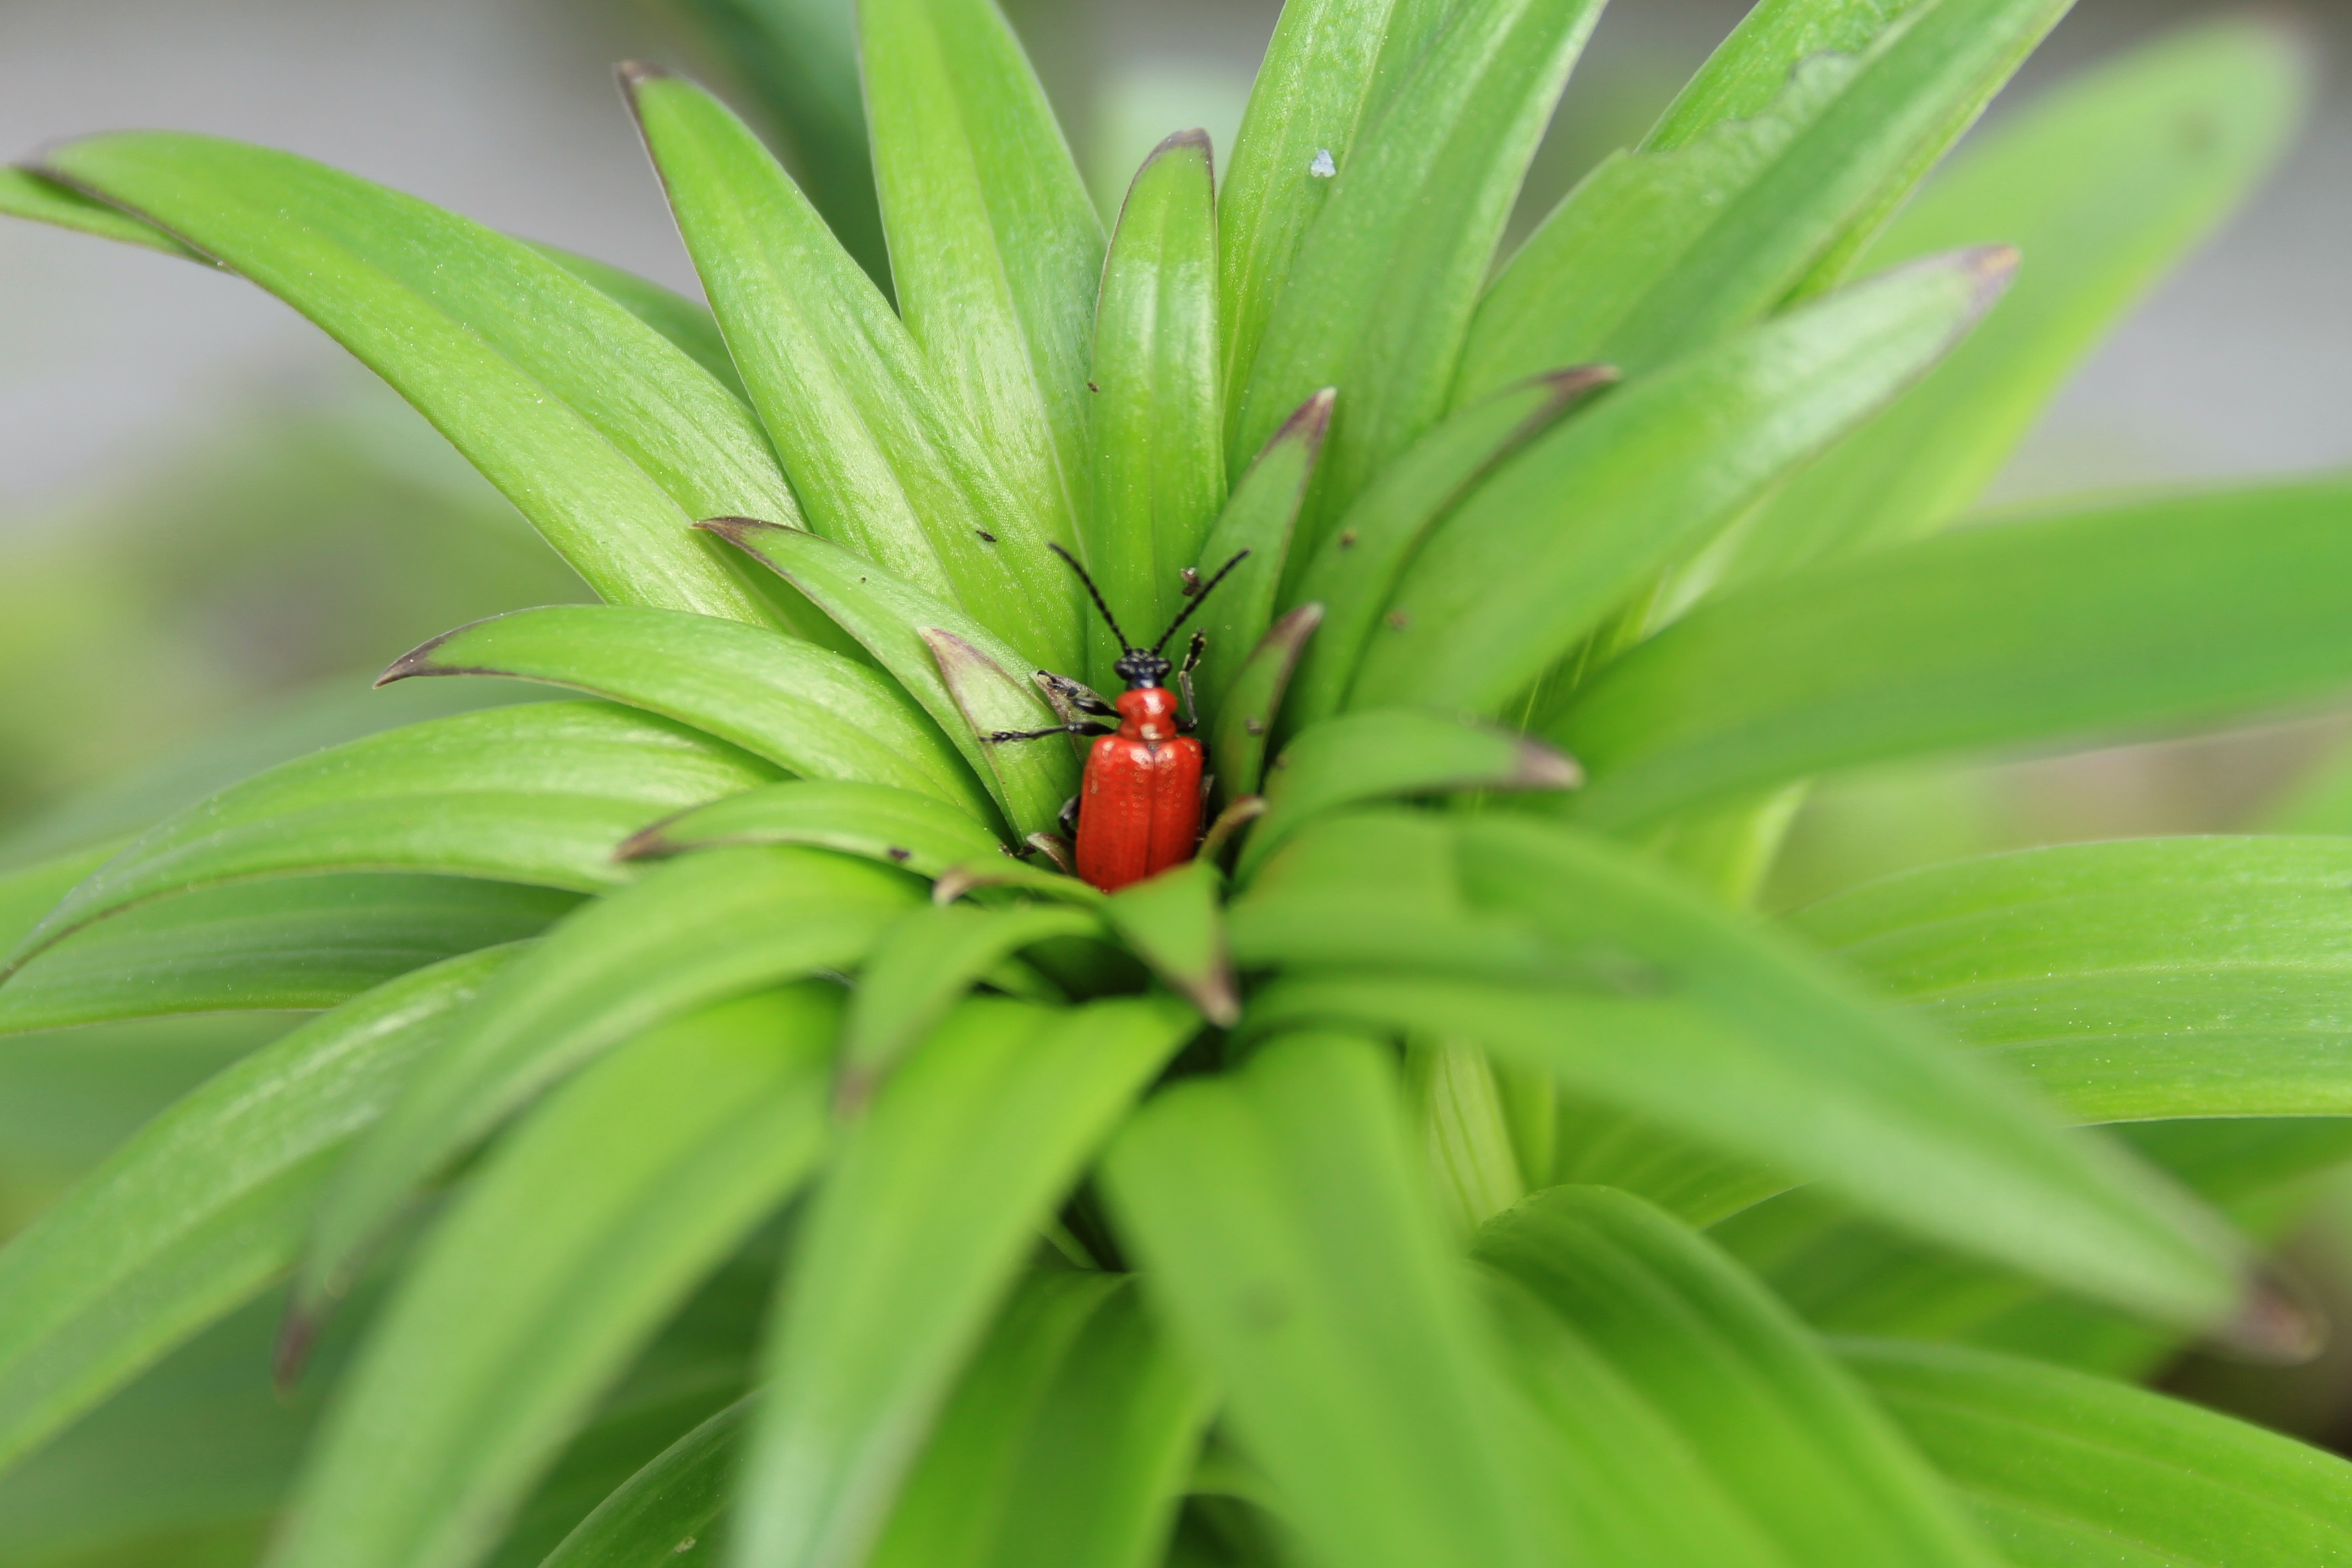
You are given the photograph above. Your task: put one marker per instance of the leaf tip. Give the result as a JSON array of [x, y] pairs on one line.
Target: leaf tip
[[634, 74], [2278, 1323], [739, 530], [1990, 269], [1309, 422], [1539, 766], [419, 661]]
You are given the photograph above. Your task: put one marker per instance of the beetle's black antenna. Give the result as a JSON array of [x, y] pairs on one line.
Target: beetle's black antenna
[[1095, 593], [1205, 589]]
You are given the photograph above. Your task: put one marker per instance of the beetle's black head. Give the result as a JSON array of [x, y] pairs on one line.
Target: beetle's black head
[[1142, 667], [1139, 667]]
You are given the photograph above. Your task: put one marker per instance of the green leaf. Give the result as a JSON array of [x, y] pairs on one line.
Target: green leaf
[[995, 243], [2133, 614], [694, 933], [874, 820], [205, 1206], [2163, 978], [970, 691], [811, 712], [1258, 518], [1379, 295], [1565, 950], [1331, 67], [581, 1234], [26, 194], [1803, 1453], [1174, 921], [912, 1242], [1247, 717], [1565, 530], [2104, 186], [2069, 1471], [688, 323], [608, 437], [1659, 252], [466, 795], [1156, 431], [1385, 754], [921, 970], [877, 460], [29, 892], [300, 943], [673, 1505], [1294, 1249], [1750, 69], [1354, 571]]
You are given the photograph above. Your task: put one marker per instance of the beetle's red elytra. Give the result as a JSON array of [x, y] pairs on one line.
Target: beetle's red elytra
[[1138, 811]]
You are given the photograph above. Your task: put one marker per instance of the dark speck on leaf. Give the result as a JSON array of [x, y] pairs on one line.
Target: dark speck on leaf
[[897, 854], [985, 537], [1347, 539], [1398, 619], [1254, 726], [1092, 388]]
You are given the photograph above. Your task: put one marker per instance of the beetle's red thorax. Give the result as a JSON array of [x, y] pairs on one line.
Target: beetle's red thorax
[[1140, 807]]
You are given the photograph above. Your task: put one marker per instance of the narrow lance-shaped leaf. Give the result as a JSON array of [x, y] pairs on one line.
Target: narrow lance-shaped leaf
[[1379, 295], [209, 1203], [972, 685], [2134, 614], [995, 243], [917, 831], [581, 1233], [1564, 531], [1156, 433], [1749, 69], [2163, 977], [1246, 719], [810, 711], [912, 1243], [466, 795], [1259, 517], [2104, 186], [1291, 1245], [29, 892], [26, 194], [1661, 251], [680, 1497], [299, 944], [1175, 923], [712, 926], [688, 323], [877, 460], [609, 439]]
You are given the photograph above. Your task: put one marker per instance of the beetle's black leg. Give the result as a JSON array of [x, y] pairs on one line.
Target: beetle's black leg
[[1188, 718], [1069, 819], [1082, 727], [1072, 698]]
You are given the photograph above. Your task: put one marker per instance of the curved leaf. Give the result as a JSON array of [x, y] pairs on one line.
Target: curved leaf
[[27, 194], [1174, 921], [1564, 531], [811, 712], [697, 931], [2133, 614], [914, 1239], [2163, 977], [30, 892], [687, 323], [673, 1505], [609, 439], [995, 243], [1646, 997], [301, 943], [1258, 517], [581, 1233], [1293, 1247], [874, 820], [1246, 718], [1155, 431], [206, 1204], [466, 795]]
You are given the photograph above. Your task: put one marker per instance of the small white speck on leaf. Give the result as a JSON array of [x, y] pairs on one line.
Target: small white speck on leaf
[[1323, 168]]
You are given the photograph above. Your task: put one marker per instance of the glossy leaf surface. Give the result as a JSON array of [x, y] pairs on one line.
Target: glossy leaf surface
[[917, 831], [1246, 718], [1259, 517]]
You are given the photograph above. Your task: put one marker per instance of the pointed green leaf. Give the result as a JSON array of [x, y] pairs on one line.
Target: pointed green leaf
[[694, 933], [2165, 977], [1259, 518], [1384, 754], [811, 712], [1661, 251], [607, 437], [192, 1218], [1246, 718], [995, 243], [1750, 69], [1352, 570], [922, 968], [26, 194], [912, 1242], [894, 621], [2134, 614], [1380, 297], [673, 1505], [1798, 1447], [1658, 1002], [1156, 432], [874, 820], [1566, 531], [29, 892], [1175, 924], [877, 460], [301, 943], [688, 323], [466, 795], [2069, 1471], [582, 1232], [1296, 1252]]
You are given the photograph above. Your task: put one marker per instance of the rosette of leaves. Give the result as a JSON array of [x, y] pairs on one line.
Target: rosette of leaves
[[720, 1130]]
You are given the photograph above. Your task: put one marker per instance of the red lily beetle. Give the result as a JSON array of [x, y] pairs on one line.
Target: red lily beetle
[[1138, 811]]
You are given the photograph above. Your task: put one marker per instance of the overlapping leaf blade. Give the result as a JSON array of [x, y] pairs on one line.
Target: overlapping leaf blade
[[917, 831], [1259, 518]]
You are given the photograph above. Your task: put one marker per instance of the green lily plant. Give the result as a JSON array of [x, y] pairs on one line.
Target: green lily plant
[[716, 1129]]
